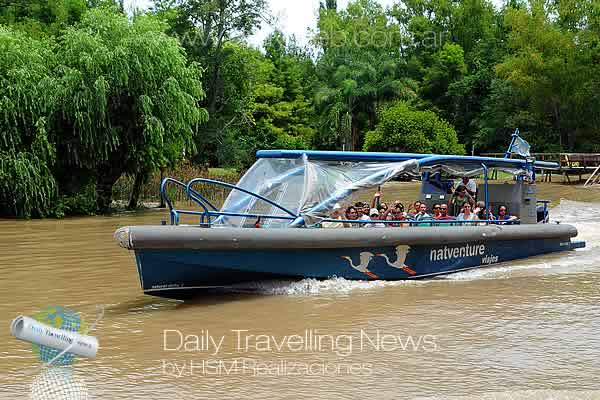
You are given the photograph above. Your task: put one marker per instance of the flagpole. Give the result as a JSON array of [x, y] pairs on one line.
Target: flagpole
[[512, 143]]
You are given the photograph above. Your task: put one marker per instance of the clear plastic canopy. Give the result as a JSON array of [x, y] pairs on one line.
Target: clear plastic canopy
[[307, 188], [310, 188]]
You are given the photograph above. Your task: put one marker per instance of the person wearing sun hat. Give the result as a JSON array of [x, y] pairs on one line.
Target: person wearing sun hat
[[337, 215]]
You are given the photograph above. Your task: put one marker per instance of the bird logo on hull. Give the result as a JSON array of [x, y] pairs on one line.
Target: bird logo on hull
[[366, 257], [401, 254]]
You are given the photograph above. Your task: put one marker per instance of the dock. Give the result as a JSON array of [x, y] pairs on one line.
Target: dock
[[570, 164]]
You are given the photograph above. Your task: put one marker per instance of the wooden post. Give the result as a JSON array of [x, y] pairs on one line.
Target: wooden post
[[162, 201]]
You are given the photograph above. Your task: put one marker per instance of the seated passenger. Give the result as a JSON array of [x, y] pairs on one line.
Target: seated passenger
[[390, 217], [363, 210], [422, 214], [479, 206], [358, 206], [482, 215], [467, 214], [351, 215], [443, 216], [503, 215], [366, 212], [374, 214], [397, 213], [436, 211], [336, 214], [412, 212]]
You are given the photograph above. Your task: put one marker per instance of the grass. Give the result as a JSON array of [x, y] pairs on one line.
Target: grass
[[185, 172]]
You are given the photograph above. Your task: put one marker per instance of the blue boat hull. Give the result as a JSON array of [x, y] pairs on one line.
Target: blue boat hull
[[182, 273]]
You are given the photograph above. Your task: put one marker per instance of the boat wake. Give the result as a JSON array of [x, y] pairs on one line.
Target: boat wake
[[309, 287], [584, 216]]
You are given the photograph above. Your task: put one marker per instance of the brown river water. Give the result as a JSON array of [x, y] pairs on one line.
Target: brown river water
[[529, 329]]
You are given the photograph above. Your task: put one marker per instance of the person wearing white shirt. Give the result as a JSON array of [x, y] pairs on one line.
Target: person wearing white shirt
[[375, 217], [467, 214], [470, 184]]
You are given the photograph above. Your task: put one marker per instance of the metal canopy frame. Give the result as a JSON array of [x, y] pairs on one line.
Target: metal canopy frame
[[422, 159]]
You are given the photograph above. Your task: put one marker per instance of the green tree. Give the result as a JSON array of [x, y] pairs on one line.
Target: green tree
[[402, 128], [283, 100], [553, 68], [129, 101], [449, 67], [361, 68], [41, 18], [271, 100], [210, 31], [27, 99]]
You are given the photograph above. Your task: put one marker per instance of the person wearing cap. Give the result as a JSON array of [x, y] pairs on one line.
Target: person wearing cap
[[336, 214], [374, 214]]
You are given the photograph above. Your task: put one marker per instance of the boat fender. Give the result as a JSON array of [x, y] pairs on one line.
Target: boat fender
[[123, 237]]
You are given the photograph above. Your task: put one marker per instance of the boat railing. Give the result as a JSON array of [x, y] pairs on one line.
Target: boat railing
[[209, 210], [422, 223]]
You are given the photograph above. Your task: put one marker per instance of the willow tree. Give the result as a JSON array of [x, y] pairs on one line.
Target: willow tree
[[27, 187], [129, 101]]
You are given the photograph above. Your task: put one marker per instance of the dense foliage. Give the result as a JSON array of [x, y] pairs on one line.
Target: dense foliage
[[404, 129], [88, 93], [107, 97], [27, 99]]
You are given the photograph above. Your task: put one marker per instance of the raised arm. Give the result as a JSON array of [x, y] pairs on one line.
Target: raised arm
[[376, 202]]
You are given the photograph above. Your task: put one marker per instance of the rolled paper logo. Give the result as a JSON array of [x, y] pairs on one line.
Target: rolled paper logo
[[57, 335], [45, 336]]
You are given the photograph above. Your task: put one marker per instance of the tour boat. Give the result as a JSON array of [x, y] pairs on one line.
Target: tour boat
[[269, 227]]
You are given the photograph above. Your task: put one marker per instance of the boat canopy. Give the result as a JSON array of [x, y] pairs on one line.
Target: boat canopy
[[310, 183]]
